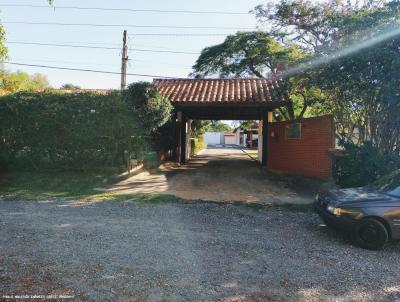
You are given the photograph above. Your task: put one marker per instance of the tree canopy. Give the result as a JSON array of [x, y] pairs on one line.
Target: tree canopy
[[70, 86], [250, 54], [364, 91], [335, 57], [199, 127], [245, 54], [218, 126], [11, 82], [314, 25], [3, 48]]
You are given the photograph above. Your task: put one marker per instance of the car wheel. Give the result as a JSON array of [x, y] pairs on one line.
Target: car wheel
[[370, 234]]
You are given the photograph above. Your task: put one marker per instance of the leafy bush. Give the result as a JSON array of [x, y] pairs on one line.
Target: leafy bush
[[362, 165], [196, 144], [151, 108], [65, 130], [153, 113]]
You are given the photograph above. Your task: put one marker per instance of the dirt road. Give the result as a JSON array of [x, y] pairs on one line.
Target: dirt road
[[132, 251], [219, 174]]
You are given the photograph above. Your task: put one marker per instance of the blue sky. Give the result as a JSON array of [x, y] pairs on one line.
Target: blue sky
[[163, 64]]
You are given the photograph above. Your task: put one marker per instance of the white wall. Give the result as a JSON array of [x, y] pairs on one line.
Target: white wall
[[237, 137], [213, 138], [238, 134], [230, 139]]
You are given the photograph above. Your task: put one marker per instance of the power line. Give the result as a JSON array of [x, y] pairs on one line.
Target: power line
[[94, 43], [88, 70], [180, 35], [63, 45], [101, 47], [128, 25], [72, 42], [129, 9], [16, 60]]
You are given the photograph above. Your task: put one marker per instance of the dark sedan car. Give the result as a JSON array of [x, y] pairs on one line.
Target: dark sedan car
[[371, 216]]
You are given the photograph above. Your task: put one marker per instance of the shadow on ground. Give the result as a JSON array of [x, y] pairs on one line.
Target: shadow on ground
[[221, 174]]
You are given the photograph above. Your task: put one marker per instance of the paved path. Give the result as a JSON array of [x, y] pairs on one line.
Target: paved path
[[217, 174]]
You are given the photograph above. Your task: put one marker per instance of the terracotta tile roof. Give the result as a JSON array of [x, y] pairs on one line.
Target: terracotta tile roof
[[221, 90]]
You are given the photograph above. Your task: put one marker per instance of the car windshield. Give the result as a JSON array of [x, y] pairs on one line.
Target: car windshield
[[395, 192]]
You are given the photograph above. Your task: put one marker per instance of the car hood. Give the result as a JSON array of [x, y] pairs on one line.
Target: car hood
[[355, 195]]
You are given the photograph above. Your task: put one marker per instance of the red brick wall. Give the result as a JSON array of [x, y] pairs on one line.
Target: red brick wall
[[308, 155]]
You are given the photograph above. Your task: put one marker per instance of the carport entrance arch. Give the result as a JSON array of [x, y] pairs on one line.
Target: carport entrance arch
[[183, 132], [221, 99]]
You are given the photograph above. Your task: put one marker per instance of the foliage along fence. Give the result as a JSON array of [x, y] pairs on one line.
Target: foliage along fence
[[363, 164], [67, 131], [196, 145]]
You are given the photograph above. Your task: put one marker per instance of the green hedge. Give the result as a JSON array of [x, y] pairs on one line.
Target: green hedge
[[67, 130], [362, 165]]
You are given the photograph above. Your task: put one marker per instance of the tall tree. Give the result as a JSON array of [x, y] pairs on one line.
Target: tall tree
[[354, 64], [258, 54], [245, 54], [3, 48], [364, 89], [312, 25]]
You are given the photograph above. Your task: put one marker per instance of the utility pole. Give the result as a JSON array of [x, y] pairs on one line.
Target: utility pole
[[124, 60]]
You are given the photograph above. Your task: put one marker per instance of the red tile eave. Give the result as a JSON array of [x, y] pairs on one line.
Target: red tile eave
[[222, 91], [239, 104]]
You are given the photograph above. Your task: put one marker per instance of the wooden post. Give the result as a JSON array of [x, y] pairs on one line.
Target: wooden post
[[183, 140], [188, 138], [174, 131], [265, 122], [178, 127]]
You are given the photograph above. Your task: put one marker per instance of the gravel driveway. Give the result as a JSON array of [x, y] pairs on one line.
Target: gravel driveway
[[129, 251]]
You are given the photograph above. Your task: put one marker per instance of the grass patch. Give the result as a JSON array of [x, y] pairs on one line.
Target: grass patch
[[304, 208], [157, 198], [42, 185], [289, 207], [308, 186], [148, 198], [81, 186]]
